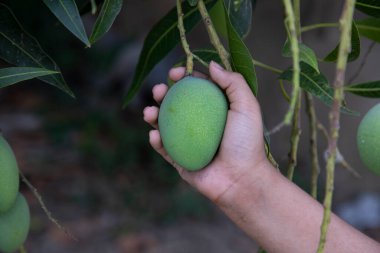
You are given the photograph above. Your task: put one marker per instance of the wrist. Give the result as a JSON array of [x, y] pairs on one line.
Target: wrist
[[251, 186]]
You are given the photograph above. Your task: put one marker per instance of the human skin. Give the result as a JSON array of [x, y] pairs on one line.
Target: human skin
[[241, 181]]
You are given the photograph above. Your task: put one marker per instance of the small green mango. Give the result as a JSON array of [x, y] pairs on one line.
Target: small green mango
[[368, 139], [14, 226], [9, 178], [191, 121]]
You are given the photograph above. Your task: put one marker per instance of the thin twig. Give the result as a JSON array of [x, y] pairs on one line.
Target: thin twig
[[313, 133], [185, 44], [294, 139], [295, 53], [200, 60], [43, 206], [342, 161], [214, 38], [344, 48], [276, 128], [267, 67], [319, 25], [284, 93], [367, 53]]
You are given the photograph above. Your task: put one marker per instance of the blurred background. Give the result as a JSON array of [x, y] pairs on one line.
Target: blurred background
[[92, 163]]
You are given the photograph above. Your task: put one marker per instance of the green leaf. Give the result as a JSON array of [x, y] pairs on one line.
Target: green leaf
[[355, 47], [314, 83], [67, 13], [107, 16], [161, 39], [240, 14], [192, 2], [12, 75], [241, 59], [369, 7], [370, 28], [368, 89], [19, 48], [307, 54], [208, 55]]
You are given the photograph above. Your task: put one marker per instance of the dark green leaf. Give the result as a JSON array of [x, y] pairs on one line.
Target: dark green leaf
[[355, 47], [241, 59], [369, 7], [107, 16], [369, 89], [314, 83], [67, 13], [369, 28], [240, 14], [208, 55], [307, 54], [192, 2], [12, 75], [19, 48], [161, 39]]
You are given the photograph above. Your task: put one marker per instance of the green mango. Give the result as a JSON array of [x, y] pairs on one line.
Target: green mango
[[14, 226], [9, 178], [191, 121], [368, 139]]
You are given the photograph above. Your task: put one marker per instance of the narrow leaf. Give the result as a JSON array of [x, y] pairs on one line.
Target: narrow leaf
[[369, 89], [369, 28], [314, 83], [369, 7], [19, 48], [240, 14], [161, 39], [12, 75], [67, 13], [107, 16], [307, 54], [355, 47], [241, 59]]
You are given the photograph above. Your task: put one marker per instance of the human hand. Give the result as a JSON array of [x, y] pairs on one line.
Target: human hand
[[242, 147]]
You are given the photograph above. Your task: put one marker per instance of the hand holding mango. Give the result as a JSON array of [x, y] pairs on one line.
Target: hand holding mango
[[238, 148]]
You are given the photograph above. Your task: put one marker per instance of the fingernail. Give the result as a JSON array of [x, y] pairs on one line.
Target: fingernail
[[216, 65]]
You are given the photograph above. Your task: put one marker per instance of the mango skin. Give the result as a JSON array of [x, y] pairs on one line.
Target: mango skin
[[368, 139], [191, 121], [14, 226], [9, 178]]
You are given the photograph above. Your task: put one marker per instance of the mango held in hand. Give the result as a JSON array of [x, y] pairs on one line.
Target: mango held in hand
[[191, 121], [14, 226], [368, 139], [9, 179]]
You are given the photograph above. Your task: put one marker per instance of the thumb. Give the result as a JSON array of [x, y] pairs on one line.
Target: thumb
[[237, 90]]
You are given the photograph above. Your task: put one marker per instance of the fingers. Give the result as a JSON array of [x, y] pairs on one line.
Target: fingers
[[151, 115], [178, 73], [156, 142], [238, 92], [159, 92]]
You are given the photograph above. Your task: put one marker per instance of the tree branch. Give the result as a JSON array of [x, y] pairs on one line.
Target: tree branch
[[185, 44], [214, 38], [344, 49]]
